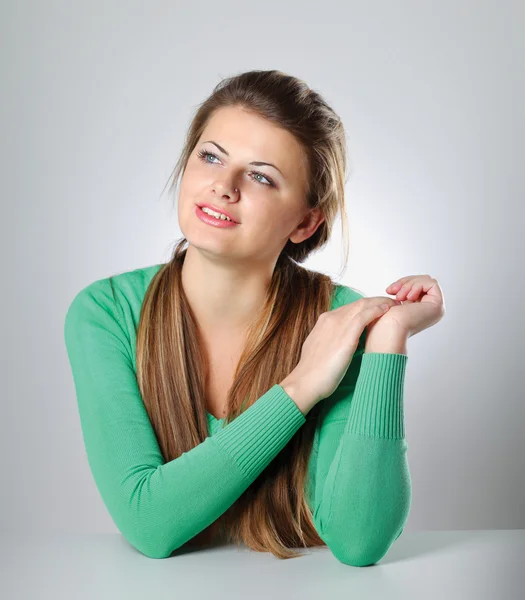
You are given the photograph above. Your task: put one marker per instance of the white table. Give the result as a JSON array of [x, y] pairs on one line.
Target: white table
[[420, 565]]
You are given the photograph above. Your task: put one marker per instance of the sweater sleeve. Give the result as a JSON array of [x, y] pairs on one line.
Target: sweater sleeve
[[156, 505], [362, 480]]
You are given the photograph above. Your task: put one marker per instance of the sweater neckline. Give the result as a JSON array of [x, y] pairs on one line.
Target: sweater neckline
[[214, 418]]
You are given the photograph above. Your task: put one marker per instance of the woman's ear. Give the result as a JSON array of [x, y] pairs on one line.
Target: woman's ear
[[308, 226]]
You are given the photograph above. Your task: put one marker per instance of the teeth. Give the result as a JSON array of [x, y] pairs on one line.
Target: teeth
[[215, 214]]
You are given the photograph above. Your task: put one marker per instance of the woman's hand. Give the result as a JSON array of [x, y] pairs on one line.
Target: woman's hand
[[422, 306], [328, 350]]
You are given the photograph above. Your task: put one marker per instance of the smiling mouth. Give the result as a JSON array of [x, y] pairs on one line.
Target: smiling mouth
[[201, 206], [212, 220]]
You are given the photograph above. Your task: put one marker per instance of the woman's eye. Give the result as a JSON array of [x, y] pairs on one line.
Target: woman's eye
[[256, 174], [203, 155]]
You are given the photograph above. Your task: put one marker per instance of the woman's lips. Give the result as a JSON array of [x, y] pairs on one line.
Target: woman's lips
[[212, 221], [219, 210]]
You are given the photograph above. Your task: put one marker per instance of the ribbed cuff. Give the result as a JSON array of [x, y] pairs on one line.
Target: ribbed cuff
[[377, 408], [258, 434]]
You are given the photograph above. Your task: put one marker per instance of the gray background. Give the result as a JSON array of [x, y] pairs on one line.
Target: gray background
[[96, 100]]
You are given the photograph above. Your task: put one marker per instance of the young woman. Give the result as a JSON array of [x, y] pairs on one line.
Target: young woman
[[230, 391]]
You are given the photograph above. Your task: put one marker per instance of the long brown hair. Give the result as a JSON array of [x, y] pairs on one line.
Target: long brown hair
[[272, 514]]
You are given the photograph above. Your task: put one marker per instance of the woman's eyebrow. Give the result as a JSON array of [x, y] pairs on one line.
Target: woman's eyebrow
[[257, 163]]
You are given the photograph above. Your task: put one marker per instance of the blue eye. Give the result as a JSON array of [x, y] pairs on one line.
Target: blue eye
[[203, 155], [270, 183]]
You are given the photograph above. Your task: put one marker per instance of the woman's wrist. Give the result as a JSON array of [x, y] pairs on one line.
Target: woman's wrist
[[386, 340], [292, 386]]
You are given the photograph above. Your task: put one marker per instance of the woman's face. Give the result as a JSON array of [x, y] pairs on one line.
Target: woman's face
[[270, 201]]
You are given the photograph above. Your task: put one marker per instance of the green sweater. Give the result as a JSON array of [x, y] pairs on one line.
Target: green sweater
[[359, 487]]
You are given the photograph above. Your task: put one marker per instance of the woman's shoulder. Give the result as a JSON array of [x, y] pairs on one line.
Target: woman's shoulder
[[124, 289], [135, 281], [345, 294]]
